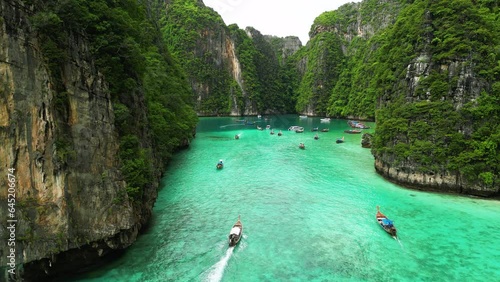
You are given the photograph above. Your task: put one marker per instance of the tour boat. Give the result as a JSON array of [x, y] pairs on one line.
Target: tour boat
[[386, 223], [235, 233]]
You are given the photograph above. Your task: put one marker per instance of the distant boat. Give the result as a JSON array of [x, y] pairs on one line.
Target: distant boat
[[268, 126], [220, 164], [237, 136], [272, 131], [357, 124], [386, 223], [259, 116], [280, 133], [316, 137], [302, 116], [352, 131], [325, 120], [314, 129], [325, 130], [340, 140], [299, 130], [259, 128], [294, 127], [235, 233], [302, 146]]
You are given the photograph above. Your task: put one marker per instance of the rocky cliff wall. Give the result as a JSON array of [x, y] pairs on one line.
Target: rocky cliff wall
[[63, 147]]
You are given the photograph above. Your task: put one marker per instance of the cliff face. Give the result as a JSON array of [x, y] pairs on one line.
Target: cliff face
[[72, 202], [231, 71], [284, 47], [435, 113], [330, 64], [200, 39]]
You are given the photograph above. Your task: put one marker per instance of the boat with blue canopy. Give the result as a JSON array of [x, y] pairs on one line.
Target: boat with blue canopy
[[386, 223]]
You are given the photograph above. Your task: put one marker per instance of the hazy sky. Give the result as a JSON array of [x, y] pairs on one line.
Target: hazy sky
[[275, 17]]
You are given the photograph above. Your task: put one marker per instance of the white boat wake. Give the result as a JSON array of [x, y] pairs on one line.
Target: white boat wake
[[217, 270], [400, 244]]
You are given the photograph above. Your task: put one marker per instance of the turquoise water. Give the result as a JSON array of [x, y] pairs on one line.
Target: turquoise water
[[308, 215]]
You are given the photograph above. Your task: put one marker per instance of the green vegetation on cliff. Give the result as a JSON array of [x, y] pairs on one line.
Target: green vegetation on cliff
[[448, 120], [196, 36], [151, 98], [324, 62], [231, 72]]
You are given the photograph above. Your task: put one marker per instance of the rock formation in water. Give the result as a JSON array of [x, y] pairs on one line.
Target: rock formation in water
[[59, 132], [438, 102]]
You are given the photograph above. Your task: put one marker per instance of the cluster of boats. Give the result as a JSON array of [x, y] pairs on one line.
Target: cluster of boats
[[387, 225]]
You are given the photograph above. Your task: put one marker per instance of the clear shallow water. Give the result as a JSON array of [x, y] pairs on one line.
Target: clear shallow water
[[308, 215]]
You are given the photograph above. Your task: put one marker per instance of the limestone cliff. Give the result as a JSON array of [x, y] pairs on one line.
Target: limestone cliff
[[338, 39], [57, 130], [199, 37], [438, 114], [232, 71], [284, 47]]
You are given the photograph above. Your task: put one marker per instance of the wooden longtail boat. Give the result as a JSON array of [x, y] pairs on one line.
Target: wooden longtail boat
[[386, 223], [235, 233]]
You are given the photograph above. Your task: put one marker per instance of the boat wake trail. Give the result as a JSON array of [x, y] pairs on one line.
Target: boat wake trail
[[217, 270], [400, 244]]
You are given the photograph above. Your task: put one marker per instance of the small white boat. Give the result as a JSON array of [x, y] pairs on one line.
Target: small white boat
[[268, 126], [303, 116], [325, 120]]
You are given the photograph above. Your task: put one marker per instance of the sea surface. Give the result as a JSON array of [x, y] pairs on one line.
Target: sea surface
[[308, 215]]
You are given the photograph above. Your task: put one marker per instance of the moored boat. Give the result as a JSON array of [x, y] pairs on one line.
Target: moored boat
[[272, 131], [325, 120], [340, 140], [237, 136], [303, 116], [280, 133], [302, 146], [352, 131], [316, 137], [325, 129], [235, 233], [386, 223], [314, 129]]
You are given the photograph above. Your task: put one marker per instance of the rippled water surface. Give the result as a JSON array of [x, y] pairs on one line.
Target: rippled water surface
[[308, 215]]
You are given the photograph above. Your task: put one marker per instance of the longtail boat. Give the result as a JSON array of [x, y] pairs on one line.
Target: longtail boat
[[386, 223], [235, 233]]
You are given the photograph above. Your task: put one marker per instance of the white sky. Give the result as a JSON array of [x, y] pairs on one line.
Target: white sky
[[275, 17]]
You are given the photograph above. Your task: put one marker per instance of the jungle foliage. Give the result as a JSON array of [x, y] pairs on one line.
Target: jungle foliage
[[444, 128], [198, 37], [151, 98]]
